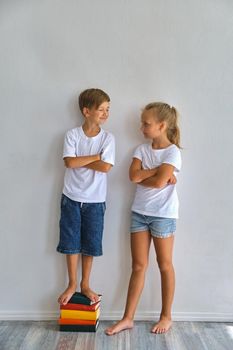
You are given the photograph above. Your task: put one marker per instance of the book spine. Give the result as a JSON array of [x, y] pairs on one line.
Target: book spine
[[80, 307], [77, 328], [82, 315], [64, 321]]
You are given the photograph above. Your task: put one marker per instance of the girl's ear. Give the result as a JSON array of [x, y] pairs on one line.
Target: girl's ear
[[162, 126]]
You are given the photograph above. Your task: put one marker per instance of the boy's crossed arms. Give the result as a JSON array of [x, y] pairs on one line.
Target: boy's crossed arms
[[93, 162]]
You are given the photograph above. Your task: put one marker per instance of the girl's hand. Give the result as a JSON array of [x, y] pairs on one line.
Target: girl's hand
[[172, 180]]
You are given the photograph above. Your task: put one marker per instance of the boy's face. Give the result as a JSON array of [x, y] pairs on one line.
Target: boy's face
[[97, 115]]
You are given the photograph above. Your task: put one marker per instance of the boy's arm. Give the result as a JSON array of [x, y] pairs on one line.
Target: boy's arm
[[137, 174], [78, 162], [107, 156], [99, 165], [162, 177]]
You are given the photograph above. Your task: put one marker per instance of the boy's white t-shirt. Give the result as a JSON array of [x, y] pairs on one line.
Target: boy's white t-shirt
[[82, 184], [161, 202]]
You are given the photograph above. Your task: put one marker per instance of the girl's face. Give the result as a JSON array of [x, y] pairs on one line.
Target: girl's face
[[151, 127]]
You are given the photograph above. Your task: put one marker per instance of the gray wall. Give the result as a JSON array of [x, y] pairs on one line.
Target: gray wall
[[175, 51]]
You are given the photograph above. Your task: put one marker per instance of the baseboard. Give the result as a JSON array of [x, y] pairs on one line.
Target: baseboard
[[116, 315], [176, 316]]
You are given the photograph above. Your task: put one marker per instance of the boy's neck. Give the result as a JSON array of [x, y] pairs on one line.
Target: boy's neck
[[90, 130]]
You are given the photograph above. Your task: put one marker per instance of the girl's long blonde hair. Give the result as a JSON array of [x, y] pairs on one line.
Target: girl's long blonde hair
[[169, 114]]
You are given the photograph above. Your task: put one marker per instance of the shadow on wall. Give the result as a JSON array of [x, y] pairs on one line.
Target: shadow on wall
[[121, 230], [55, 165], [57, 169], [120, 187]]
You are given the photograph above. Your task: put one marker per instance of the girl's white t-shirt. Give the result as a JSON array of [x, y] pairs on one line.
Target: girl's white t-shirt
[[83, 184], [161, 202]]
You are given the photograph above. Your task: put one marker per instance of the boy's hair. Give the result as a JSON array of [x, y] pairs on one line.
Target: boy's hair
[[169, 114], [92, 98]]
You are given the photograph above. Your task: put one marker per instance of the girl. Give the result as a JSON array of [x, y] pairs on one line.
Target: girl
[[154, 210]]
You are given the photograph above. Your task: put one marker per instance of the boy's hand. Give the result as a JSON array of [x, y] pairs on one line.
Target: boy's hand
[[172, 180]]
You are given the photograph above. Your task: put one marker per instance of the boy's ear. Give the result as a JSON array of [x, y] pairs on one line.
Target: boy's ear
[[85, 111]]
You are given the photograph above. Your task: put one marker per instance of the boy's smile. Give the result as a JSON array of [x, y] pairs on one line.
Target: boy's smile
[[99, 115]]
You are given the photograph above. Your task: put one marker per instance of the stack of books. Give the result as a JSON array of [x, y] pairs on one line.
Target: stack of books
[[80, 314]]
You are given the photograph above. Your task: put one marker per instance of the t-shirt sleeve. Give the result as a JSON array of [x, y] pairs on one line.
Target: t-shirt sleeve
[[138, 153], [108, 150], [173, 157], [69, 145]]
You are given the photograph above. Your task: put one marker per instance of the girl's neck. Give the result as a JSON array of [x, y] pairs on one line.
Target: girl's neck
[[160, 143], [90, 129]]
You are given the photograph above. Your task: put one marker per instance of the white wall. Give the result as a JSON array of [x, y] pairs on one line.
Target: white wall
[[176, 51]]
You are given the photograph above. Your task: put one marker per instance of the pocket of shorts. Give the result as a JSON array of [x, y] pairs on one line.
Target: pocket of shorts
[[63, 200], [104, 206]]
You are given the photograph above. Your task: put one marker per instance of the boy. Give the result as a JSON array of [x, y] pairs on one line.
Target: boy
[[88, 154]]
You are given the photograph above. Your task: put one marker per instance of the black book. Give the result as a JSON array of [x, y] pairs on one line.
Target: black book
[[79, 328], [79, 298]]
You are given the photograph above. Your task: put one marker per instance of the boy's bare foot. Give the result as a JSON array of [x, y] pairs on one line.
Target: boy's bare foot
[[162, 326], [119, 326], [89, 293], [67, 294]]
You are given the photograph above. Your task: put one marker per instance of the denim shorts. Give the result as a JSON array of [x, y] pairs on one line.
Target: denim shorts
[[81, 227], [157, 226]]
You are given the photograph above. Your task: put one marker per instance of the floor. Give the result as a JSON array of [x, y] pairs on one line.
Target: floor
[[45, 335]]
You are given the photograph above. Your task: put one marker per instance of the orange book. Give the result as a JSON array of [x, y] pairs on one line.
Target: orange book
[[76, 321], [80, 315], [82, 307]]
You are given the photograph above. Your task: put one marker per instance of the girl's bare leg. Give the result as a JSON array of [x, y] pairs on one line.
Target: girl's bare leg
[[86, 270], [140, 245], [72, 263], [164, 249]]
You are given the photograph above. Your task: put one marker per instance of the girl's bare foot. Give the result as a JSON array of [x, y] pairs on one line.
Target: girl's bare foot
[[162, 326], [89, 293], [67, 294], [119, 326]]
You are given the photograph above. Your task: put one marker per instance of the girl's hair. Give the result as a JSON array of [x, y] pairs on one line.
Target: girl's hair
[[169, 114], [92, 98]]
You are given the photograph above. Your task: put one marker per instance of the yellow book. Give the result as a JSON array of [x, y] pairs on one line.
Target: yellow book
[[81, 315]]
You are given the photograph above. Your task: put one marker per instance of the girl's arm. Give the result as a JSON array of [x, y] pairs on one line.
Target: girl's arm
[[99, 165], [156, 177], [137, 174], [78, 162], [162, 177], [172, 180]]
